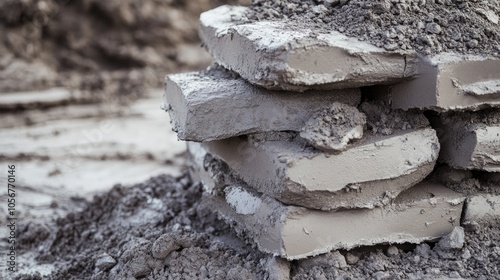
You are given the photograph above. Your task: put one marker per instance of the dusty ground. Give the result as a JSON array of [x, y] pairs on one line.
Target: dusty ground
[[158, 230]]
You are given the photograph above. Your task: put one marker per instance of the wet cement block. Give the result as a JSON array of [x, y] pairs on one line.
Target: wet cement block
[[217, 104], [370, 173], [424, 212], [276, 55], [449, 82]]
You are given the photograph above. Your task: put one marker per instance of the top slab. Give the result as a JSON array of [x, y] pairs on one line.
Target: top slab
[[276, 55]]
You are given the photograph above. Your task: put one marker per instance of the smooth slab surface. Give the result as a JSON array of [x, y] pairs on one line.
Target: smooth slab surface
[[216, 105], [279, 56], [450, 82], [368, 174]]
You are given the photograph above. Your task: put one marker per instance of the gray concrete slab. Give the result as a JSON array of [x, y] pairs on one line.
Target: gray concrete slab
[[216, 104], [276, 55], [425, 212], [368, 174], [449, 82]]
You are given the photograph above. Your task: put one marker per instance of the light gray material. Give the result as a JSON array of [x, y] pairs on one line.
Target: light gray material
[[469, 145], [450, 82], [482, 207], [211, 107], [425, 212], [275, 55], [368, 174]]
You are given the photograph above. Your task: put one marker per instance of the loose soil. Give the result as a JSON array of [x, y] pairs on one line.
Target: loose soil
[[159, 230], [427, 26]]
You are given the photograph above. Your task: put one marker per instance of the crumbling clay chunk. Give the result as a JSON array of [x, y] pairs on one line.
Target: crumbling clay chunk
[[333, 128], [164, 245], [104, 262]]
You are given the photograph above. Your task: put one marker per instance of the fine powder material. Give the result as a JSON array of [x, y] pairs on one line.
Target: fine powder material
[[426, 26]]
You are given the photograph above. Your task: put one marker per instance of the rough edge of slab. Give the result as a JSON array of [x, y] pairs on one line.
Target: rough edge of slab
[[211, 105], [447, 82], [431, 211], [272, 55], [271, 163]]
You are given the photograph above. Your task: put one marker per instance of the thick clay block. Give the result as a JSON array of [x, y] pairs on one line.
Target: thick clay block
[[425, 212], [276, 55], [368, 174], [469, 145], [450, 82], [219, 106]]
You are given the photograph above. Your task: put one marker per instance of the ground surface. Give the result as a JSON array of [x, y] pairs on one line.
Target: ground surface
[[159, 230]]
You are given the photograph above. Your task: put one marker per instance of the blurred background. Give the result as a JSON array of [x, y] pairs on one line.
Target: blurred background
[[81, 89]]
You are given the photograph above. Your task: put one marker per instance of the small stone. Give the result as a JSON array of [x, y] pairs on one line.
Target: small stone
[[454, 275], [335, 259], [433, 28], [391, 47], [423, 250], [466, 255], [105, 262], [351, 258], [454, 240], [472, 44], [392, 251], [139, 266], [334, 127]]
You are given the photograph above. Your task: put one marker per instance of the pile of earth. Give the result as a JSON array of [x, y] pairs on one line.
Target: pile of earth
[[121, 46], [160, 230], [427, 26]]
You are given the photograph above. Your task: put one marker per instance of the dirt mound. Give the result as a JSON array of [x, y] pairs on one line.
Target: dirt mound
[[154, 229], [427, 26]]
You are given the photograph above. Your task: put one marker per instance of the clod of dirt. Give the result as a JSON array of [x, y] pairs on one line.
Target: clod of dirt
[[382, 119], [105, 262], [429, 27], [392, 251], [333, 128], [454, 240], [164, 245], [335, 259]]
